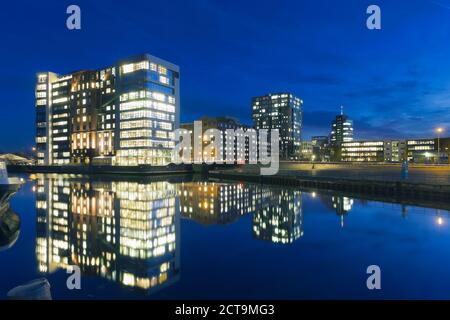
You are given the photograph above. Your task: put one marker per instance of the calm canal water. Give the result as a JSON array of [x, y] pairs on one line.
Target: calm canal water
[[144, 239]]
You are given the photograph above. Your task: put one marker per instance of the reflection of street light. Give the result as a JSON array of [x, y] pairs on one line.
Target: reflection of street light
[[439, 220], [439, 131]]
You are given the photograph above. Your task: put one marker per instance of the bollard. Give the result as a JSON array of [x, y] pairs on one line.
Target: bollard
[[405, 170]]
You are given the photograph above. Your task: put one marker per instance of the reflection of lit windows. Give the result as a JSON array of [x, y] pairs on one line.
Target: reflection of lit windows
[[141, 235]]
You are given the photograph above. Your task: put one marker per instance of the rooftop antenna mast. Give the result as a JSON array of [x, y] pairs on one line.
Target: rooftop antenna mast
[[342, 110]]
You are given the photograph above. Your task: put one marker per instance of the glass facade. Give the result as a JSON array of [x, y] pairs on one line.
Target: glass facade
[[43, 95], [148, 111], [341, 130], [122, 115]]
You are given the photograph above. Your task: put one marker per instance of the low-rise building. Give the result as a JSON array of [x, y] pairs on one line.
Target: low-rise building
[[414, 150], [321, 151], [428, 150], [394, 151], [362, 151], [306, 151]]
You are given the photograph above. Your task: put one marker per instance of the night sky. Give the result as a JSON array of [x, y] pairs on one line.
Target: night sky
[[393, 83]]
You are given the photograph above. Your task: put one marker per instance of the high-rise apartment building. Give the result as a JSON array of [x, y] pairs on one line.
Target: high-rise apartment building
[[124, 114], [282, 111], [238, 145]]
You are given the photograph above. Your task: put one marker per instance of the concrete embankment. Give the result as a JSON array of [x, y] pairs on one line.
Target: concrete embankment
[[395, 189], [424, 182]]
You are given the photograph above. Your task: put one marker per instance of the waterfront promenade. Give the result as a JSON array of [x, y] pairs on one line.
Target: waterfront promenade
[[417, 173], [423, 182]]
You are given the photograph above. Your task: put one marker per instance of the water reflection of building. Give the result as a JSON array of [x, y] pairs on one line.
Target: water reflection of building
[[125, 232], [9, 220], [216, 203], [342, 205], [277, 214], [280, 217]]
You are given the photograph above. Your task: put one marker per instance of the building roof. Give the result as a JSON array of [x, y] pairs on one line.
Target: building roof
[[11, 158]]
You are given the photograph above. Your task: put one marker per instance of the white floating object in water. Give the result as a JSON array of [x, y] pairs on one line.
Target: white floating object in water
[[38, 289]]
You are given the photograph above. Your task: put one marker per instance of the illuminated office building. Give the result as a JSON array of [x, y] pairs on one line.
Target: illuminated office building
[[416, 146], [374, 151], [123, 115], [280, 220], [426, 150], [362, 151], [125, 232], [394, 151], [415, 150], [284, 112], [43, 116], [341, 130]]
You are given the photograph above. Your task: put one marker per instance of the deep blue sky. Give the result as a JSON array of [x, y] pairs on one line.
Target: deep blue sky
[[393, 83]]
